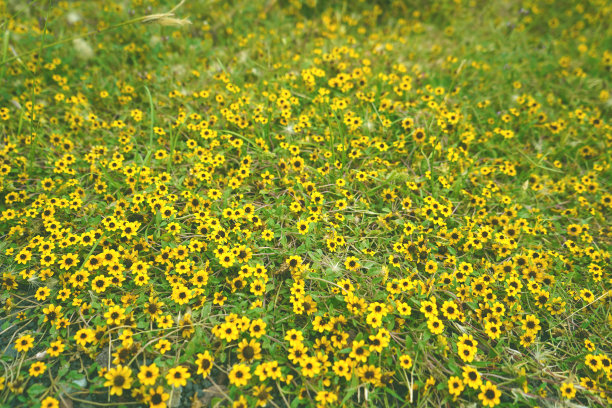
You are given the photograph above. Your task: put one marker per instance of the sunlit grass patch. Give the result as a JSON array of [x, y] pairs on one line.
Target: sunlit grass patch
[[281, 203]]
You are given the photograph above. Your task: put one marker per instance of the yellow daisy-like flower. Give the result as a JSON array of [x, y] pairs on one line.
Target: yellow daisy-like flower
[[240, 375], [257, 328], [489, 394], [567, 390], [114, 315], [49, 402], [302, 227], [294, 337], [68, 261], [435, 325], [177, 377], [455, 386], [471, 377], [249, 350], [343, 368], [157, 397], [56, 348], [204, 363], [405, 361], [37, 369], [84, 336], [118, 379], [148, 374], [310, 366], [352, 263], [163, 346], [24, 343]]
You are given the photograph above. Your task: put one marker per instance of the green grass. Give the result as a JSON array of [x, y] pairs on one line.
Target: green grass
[[253, 221]]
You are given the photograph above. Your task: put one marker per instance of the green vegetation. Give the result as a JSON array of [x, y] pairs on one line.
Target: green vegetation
[[300, 204]]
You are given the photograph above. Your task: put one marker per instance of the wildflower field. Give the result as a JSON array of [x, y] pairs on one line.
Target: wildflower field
[[305, 203]]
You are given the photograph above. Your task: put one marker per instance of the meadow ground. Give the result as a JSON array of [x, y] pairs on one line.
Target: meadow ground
[[298, 204]]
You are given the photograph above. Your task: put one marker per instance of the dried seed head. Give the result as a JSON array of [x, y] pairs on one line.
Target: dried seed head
[[83, 49], [167, 19]]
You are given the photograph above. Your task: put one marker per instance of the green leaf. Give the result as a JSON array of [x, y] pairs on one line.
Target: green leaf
[[390, 391], [36, 389], [205, 311], [73, 375], [452, 365], [351, 389], [63, 370], [193, 346]]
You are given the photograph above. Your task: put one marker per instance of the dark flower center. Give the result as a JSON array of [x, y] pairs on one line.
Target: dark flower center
[[248, 352], [118, 381]]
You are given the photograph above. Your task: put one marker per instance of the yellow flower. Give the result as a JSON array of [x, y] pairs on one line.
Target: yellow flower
[[302, 227], [435, 325], [370, 374], [52, 313], [471, 377], [118, 378], [148, 374], [37, 369], [177, 377], [241, 402], [405, 361], [359, 352], [42, 293], [68, 261], [157, 397], [49, 402], [489, 394], [56, 348], [257, 328], [24, 343], [258, 287], [455, 386], [567, 390], [114, 315], [240, 375], [204, 363], [294, 337], [84, 336], [99, 283], [310, 366], [343, 368], [352, 263], [326, 397], [249, 351], [163, 346], [181, 294]]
